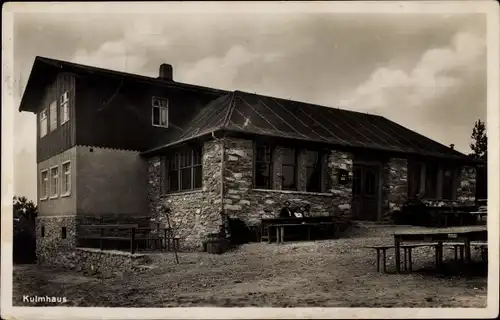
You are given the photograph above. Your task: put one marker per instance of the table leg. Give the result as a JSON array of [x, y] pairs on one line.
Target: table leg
[[378, 260], [278, 235], [439, 254], [467, 250], [456, 252], [397, 245], [282, 229], [404, 256], [461, 254], [269, 234]]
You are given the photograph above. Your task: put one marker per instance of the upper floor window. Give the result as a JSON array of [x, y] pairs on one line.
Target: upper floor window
[[289, 169], [160, 112], [53, 116], [64, 105], [43, 123], [183, 170], [66, 178], [44, 184], [313, 171], [263, 166], [54, 182]]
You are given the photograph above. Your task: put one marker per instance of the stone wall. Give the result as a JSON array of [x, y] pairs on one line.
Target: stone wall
[[195, 213], [52, 241], [394, 186], [466, 191], [95, 261], [250, 205]]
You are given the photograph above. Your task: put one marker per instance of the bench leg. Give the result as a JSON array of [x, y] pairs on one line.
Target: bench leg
[[409, 259], [378, 260], [461, 254], [456, 253], [383, 253]]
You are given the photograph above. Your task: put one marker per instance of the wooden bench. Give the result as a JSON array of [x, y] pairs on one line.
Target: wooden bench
[[280, 229], [265, 235], [407, 251]]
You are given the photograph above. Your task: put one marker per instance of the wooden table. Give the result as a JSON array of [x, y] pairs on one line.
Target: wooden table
[[280, 229], [440, 235]]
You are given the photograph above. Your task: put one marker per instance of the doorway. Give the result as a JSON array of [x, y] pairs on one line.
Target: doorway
[[365, 191]]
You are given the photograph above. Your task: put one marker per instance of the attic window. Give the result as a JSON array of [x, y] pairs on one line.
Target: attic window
[[160, 112]]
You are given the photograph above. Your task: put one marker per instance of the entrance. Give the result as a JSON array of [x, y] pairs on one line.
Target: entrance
[[365, 191]]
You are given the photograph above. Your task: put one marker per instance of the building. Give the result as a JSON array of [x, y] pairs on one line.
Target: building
[[115, 146]]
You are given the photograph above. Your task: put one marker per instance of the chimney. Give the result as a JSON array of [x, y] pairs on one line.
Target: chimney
[[166, 72], [452, 146]]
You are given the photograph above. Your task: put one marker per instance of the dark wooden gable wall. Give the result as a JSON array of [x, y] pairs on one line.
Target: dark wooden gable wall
[[116, 113], [63, 137]]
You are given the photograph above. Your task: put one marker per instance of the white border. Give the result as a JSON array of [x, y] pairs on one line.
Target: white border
[[489, 8]]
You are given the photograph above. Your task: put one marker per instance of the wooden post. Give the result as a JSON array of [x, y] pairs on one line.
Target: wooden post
[[100, 240], [175, 249], [132, 241]]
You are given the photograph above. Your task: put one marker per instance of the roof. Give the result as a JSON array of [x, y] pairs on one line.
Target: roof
[[44, 69], [263, 115]]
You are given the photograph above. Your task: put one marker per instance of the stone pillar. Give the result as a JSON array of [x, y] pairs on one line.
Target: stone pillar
[[337, 161], [394, 186], [238, 176], [466, 191], [154, 185]]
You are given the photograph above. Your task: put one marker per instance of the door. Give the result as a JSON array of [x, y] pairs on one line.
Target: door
[[365, 192]]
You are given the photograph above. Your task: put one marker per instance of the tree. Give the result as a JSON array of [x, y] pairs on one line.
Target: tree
[[24, 208], [479, 146], [24, 247]]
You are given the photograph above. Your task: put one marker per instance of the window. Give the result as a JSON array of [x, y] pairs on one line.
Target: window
[[66, 179], [313, 171], [184, 170], [63, 232], [160, 112], [44, 184], [431, 174], [448, 183], [53, 116], [414, 179], [289, 169], [43, 123], [263, 167], [42, 231], [54, 182], [64, 103]]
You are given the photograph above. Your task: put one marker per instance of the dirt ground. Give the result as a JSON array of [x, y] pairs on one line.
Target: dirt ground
[[329, 273]]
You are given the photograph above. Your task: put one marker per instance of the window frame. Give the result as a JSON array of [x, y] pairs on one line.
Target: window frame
[[56, 184], [65, 175], [193, 165], [269, 163], [160, 108], [43, 118], [44, 188], [64, 107], [53, 113], [295, 170]]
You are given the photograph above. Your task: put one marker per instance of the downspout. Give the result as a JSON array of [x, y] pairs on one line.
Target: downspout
[[223, 153]]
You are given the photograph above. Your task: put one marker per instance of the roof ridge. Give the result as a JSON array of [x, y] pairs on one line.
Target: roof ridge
[[230, 110]]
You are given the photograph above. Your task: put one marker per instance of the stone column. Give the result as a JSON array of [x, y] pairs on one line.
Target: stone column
[[337, 161], [466, 191], [394, 186]]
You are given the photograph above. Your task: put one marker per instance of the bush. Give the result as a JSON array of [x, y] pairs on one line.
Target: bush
[[24, 235]]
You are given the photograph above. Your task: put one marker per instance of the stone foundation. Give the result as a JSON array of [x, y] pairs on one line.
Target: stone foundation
[[52, 242], [95, 261]]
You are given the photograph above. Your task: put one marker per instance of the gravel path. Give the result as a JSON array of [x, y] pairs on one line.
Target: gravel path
[[330, 273]]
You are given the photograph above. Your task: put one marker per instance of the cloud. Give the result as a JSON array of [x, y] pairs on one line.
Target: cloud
[[438, 71], [222, 71]]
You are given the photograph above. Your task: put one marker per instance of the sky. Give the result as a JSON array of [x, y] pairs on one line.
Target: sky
[[424, 71]]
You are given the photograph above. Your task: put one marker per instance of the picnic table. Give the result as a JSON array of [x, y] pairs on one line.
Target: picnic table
[[439, 235], [280, 229]]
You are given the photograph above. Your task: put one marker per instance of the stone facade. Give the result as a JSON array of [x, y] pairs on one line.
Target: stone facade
[[466, 191], [394, 186], [52, 242], [250, 205], [194, 213]]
